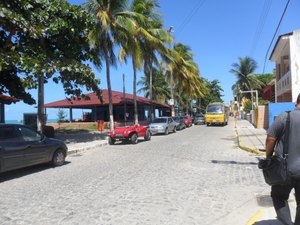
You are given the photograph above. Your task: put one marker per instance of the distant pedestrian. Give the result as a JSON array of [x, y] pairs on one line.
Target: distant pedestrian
[[274, 142]]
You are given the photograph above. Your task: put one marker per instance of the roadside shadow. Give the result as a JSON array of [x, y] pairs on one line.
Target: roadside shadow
[[268, 222], [233, 162], [228, 138], [124, 142], [80, 137], [14, 174]]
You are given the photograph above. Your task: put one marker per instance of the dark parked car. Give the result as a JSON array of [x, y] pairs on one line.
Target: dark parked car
[[21, 146], [180, 122], [199, 119]]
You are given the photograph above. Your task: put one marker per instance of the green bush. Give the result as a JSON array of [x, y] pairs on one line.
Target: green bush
[[247, 106]]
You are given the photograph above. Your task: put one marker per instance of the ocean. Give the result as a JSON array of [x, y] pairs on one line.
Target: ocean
[[21, 121]]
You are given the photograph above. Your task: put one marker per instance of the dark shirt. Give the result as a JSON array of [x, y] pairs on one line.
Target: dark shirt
[[278, 129]]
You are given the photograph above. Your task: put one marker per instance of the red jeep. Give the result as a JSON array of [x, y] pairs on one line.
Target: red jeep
[[129, 134]]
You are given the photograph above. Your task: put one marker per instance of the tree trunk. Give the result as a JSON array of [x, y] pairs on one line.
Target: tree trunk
[[111, 116], [136, 120], [41, 117], [124, 99]]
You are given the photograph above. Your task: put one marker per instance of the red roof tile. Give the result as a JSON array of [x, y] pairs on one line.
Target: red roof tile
[[7, 99], [94, 101]]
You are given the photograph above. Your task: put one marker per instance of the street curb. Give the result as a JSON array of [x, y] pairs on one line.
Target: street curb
[[246, 148], [82, 149]]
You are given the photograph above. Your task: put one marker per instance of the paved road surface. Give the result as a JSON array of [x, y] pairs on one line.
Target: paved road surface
[[195, 176]]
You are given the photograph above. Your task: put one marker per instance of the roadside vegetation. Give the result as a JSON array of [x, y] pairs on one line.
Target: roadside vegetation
[[71, 130], [247, 80]]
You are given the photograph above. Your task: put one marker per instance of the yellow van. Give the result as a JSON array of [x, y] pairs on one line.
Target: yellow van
[[217, 113]]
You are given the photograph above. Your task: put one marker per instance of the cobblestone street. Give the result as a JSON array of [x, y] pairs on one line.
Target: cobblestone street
[[195, 176]]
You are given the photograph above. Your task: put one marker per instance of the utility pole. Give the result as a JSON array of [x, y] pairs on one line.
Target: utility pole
[[171, 80]]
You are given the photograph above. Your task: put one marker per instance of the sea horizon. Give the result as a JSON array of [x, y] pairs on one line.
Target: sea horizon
[[21, 121]]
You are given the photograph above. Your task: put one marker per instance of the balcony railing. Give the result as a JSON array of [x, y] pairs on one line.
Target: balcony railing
[[284, 84]]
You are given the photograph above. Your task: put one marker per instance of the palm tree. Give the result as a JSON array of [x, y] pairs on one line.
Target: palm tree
[[150, 48], [108, 15], [142, 37], [244, 70], [159, 88], [186, 75]]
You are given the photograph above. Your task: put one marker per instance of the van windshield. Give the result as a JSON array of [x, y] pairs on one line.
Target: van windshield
[[214, 108]]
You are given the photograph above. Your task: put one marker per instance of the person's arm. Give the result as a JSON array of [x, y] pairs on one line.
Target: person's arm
[[270, 144]]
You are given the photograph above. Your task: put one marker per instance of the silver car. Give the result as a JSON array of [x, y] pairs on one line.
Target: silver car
[[163, 125]]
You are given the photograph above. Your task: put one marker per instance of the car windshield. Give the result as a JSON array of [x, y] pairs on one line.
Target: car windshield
[[177, 119], [160, 120]]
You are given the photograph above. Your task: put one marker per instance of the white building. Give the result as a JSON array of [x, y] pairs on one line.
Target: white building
[[286, 55]]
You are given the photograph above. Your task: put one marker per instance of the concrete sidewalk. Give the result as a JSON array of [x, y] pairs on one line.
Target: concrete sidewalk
[[253, 140], [250, 138]]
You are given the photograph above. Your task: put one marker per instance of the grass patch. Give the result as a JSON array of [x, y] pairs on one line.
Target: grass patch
[[69, 129]]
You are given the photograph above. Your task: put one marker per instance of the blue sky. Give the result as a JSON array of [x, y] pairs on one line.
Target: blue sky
[[218, 33]]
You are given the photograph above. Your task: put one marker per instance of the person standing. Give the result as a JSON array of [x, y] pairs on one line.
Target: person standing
[[274, 143]]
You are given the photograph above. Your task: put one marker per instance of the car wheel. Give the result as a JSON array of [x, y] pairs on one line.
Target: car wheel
[[167, 131], [134, 138], [174, 131], [111, 141], [58, 158], [147, 136]]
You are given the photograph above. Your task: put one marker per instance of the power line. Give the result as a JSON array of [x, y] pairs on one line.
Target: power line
[[190, 16], [279, 23], [261, 24]]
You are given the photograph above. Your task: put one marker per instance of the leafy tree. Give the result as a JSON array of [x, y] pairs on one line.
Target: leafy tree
[[215, 93], [41, 40], [244, 71], [264, 79], [247, 105], [160, 88], [188, 84], [61, 116]]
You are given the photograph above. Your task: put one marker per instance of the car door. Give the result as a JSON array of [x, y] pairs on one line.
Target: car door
[[36, 151], [172, 123], [11, 149]]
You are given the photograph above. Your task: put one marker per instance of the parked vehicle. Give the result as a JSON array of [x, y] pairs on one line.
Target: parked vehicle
[[129, 134], [199, 119], [22, 146], [217, 113], [188, 121], [180, 122], [162, 125]]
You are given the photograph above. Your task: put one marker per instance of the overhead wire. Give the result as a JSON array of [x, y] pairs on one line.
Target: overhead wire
[[190, 16], [279, 23], [261, 23]]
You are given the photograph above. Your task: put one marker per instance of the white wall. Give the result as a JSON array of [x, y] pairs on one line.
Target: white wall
[[295, 63]]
